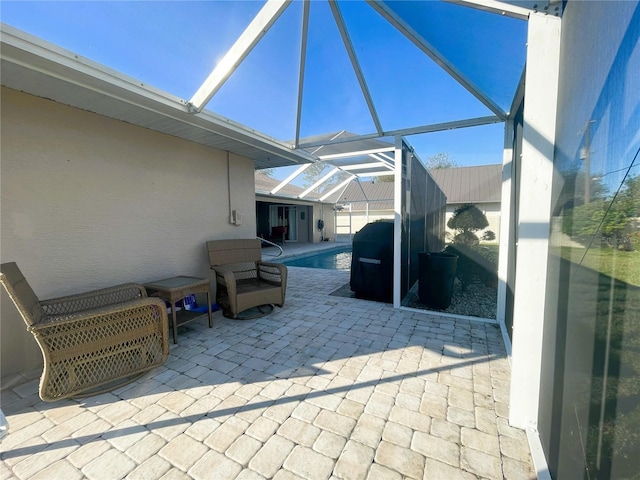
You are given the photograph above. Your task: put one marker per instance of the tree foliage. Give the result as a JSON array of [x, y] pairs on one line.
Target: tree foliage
[[267, 172], [607, 218], [573, 192], [385, 178], [315, 172], [489, 236], [441, 160], [312, 173], [466, 220], [630, 196], [475, 262]]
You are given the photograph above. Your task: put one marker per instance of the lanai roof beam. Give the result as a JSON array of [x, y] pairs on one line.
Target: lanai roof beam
[[354, 154], [377, 174], [319, 182], [287, 180], [258, 27], [354, 63], [362, 190], [492, 6], [303, 57], [334, 190], [435, 55], [435, 127], [388, 162], [363, 166]]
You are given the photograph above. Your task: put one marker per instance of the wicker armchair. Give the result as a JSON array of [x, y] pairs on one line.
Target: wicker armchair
[[243, 280], [91, 342]]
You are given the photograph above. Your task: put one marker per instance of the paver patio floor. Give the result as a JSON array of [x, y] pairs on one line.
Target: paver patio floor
[[327, 387]]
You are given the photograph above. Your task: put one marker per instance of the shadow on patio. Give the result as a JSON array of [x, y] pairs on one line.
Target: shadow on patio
[[326, 386]]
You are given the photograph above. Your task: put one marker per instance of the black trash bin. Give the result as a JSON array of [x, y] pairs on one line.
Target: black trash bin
[[435, 278]]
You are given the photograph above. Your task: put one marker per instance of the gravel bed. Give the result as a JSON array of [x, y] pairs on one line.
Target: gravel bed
[[477, 301]]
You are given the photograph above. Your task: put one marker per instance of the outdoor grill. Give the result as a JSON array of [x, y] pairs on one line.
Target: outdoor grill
[[372, 262]]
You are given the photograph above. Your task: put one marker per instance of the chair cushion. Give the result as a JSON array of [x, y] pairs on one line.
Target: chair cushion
[[251, 293]]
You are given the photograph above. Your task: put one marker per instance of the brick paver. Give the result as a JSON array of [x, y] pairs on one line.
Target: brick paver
[[354, 462], [61, 469], [327, 387], [111, 464]]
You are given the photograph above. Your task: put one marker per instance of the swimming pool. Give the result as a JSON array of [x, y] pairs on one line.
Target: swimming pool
[[330, 260]]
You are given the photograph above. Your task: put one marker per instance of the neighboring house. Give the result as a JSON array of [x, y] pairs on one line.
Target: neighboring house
[[363, 202], [360, 203], [300, 209], [300, 217], [480, 186]]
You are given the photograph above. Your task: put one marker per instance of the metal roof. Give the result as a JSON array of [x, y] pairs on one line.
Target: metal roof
[[477, 185], [480, 184], [378, 196]]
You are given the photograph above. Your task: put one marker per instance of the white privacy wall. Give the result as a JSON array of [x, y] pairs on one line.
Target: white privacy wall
[[89, 202]]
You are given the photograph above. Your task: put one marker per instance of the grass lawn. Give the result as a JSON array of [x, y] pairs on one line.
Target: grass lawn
[[609, 311], [624, 266]]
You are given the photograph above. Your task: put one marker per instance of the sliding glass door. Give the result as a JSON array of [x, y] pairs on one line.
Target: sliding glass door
[[283, 220]]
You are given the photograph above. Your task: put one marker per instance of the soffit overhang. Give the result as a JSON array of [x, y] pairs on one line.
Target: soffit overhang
[[36, 67]]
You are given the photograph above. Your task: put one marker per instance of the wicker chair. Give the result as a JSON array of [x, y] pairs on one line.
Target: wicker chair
[[91, 342], [243, 280]]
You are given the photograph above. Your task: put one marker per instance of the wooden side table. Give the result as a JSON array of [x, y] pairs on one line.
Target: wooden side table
[[173, 290]]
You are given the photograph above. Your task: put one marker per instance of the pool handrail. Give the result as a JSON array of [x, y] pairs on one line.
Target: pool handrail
[[271, 243]]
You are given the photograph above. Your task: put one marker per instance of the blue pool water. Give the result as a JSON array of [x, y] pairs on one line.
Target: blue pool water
[[331, 260]]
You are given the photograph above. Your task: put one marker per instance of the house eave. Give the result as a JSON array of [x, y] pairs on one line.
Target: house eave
[[39, 68], [268, 196]]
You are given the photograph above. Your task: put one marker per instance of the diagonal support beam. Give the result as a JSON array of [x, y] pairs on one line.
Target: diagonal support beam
[[258, 27], [363, 166], [319, 182], [362, 190], [340, 185], [384, 157], [303, 58], [333, 156], [382, 173], [386, 161], [288, 180], [435, 55], [434, 127], [497, 7], [354, 63]]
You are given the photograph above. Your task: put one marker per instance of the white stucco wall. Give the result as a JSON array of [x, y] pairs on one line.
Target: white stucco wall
[[89, 202], [359, 220]]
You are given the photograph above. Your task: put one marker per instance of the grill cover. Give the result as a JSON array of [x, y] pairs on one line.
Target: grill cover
[[372, 262]]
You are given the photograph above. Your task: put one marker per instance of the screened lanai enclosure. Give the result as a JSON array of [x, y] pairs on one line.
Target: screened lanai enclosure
[[343, 80], [317, 94], [342, 105]]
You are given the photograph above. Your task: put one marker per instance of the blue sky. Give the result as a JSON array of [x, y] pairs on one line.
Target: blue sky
[[174, 45]]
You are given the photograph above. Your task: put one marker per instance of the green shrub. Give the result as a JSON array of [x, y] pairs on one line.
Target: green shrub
[[466, 220], [475, 264]]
